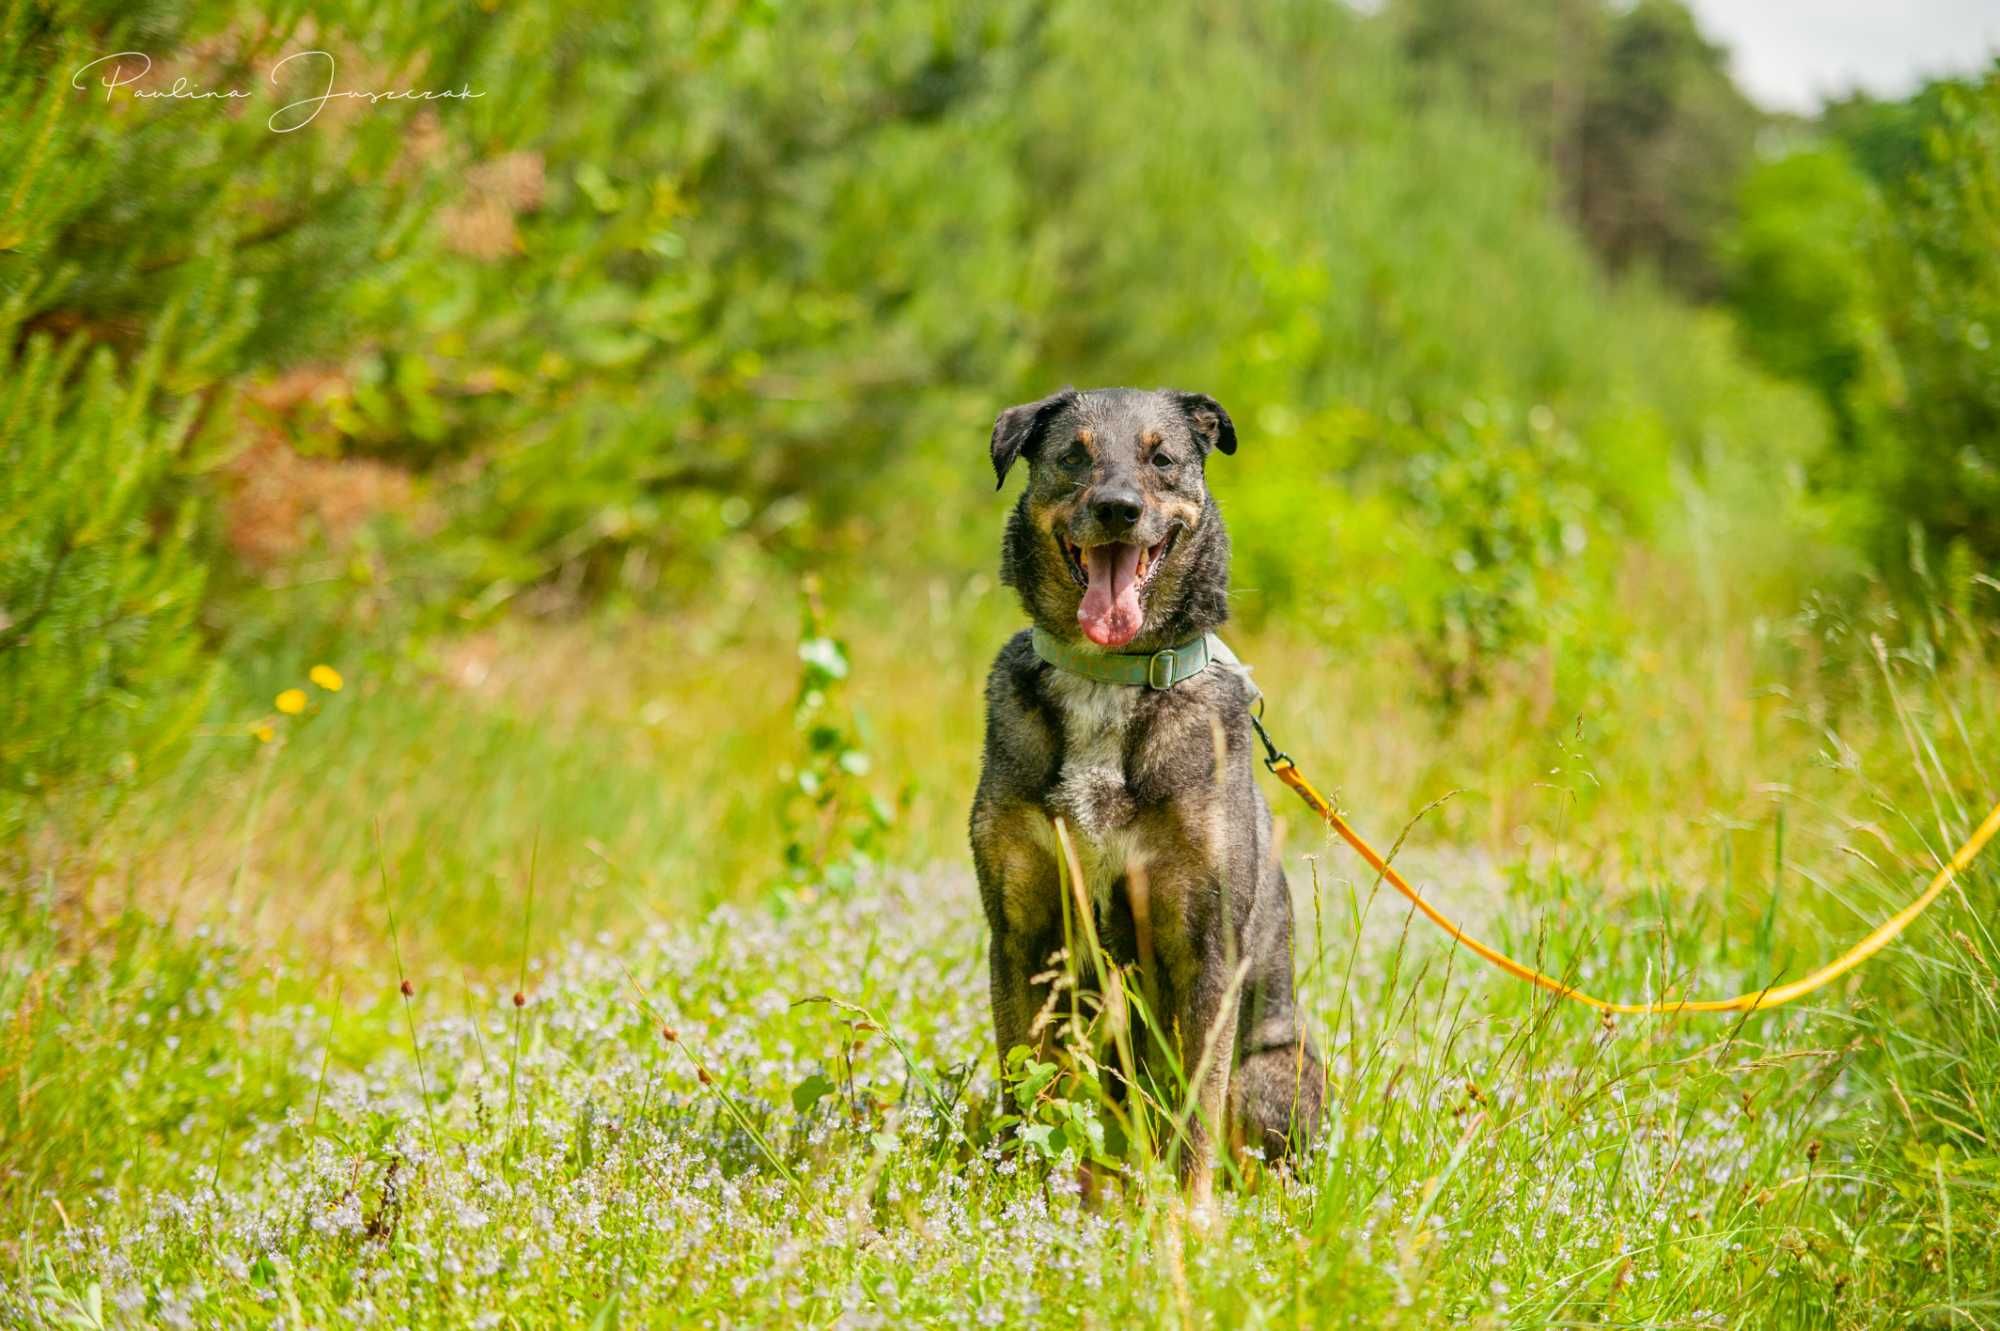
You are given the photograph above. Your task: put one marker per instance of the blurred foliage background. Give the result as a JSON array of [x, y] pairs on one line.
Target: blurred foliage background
[[1619, 495], [1536, 328]]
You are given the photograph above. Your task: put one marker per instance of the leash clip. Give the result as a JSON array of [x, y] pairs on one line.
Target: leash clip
[[1274, 756]]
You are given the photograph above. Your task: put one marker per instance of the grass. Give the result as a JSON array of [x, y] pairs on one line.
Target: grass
[[730, 1100]]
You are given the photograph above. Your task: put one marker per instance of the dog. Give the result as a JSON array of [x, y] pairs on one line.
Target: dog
[[1119, 713]]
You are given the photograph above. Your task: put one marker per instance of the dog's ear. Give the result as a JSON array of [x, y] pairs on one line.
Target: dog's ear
[[1211, 423], [1019, 430]]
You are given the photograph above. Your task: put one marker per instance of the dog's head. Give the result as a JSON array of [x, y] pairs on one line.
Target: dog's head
[[1116, 537]]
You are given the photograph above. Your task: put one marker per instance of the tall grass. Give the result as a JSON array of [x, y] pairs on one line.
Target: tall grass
[[213, 1109]]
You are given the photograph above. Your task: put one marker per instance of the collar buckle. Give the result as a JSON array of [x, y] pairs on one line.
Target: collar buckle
[[1160, 669]]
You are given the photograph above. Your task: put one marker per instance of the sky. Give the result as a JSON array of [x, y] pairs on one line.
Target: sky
[[1787, 54]]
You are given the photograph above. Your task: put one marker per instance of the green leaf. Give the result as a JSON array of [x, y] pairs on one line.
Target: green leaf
[[810, 1092]]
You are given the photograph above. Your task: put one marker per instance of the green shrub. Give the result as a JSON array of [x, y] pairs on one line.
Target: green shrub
[[101, 664], [1793, 275], [772, 282], [765, 285], [1879, 290], [1935, 372], [153, 255]]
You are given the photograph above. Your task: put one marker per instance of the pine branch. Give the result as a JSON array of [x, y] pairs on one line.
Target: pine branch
[[17, 632]]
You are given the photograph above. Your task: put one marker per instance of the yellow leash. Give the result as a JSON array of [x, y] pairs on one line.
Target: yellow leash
[[1877, 939]]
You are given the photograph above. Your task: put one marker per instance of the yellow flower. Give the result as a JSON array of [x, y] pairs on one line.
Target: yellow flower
[[264, 733], [326, 677], [292, 701]]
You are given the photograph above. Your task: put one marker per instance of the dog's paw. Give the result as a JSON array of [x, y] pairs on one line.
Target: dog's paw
[[1203, 1213]]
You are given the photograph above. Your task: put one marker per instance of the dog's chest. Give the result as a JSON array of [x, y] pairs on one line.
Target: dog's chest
[[1097, 722], [1091, 794]]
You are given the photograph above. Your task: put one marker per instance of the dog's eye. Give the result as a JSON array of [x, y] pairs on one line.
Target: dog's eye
[[1076, 457], [1163, 460]]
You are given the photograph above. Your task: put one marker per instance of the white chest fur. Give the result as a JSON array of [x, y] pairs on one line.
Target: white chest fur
[[1090, 793]]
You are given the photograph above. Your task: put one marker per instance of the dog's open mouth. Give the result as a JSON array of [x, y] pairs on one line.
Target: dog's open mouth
[[1113, 576]]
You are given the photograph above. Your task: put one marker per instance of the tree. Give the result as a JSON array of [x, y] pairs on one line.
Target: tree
[[1664, 137], [1934, 372], [152, 255], [1794, 276], [1864, 266], [1632, 108]]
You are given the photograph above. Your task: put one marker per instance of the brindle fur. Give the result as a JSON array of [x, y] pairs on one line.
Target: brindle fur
[[1154, 785]]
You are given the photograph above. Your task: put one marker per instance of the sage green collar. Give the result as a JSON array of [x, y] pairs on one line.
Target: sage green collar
[[1157, 670]]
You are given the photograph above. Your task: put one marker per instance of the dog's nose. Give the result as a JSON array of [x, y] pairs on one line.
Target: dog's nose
[[1116, 508]]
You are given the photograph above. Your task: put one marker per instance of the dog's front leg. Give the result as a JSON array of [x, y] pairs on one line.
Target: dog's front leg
[[1021, 1003], [1205, 1009], [1018, 885]]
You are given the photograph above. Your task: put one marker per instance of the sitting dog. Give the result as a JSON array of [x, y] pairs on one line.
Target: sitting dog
[[1122, 715]]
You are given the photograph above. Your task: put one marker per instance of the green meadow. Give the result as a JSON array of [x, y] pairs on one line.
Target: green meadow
[[495, 596]]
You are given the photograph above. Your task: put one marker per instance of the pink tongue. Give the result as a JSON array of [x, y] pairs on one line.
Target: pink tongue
[[1110, 613]]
